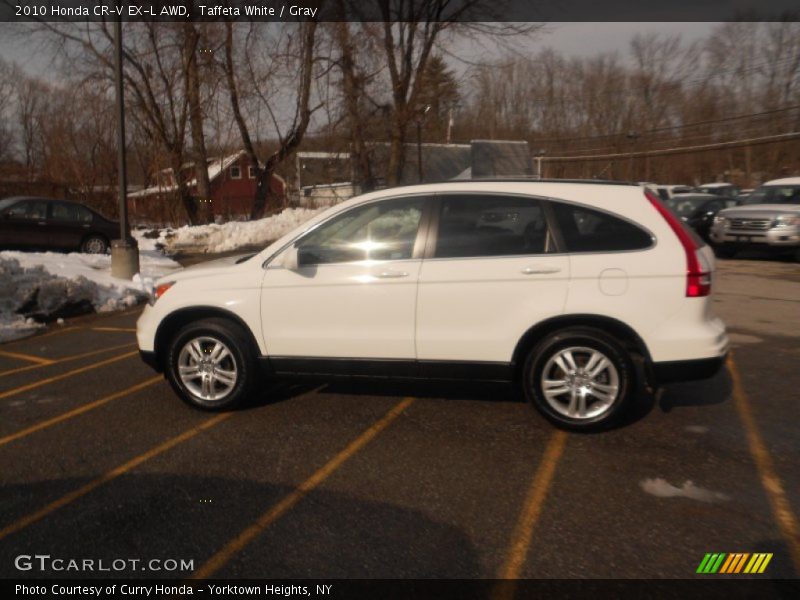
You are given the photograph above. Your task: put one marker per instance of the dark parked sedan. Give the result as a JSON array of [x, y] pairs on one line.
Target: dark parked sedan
[[42, 223], [698, 210]]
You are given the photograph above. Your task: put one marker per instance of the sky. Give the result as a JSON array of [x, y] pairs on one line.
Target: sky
[[576, 39]]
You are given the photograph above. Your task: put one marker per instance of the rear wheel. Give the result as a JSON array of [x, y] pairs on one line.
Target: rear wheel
[[94, 244], [579, 378], [211, 364]]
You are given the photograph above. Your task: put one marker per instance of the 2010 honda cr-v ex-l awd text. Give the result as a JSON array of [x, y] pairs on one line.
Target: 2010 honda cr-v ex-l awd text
[[558, 286]]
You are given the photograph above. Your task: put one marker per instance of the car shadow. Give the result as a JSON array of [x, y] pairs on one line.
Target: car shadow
[[667, 398], [327, 534], [706, 392], [439, 390]]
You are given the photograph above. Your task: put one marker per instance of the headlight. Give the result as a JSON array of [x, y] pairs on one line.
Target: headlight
[[719, 220], [159, 291], [786, 221]]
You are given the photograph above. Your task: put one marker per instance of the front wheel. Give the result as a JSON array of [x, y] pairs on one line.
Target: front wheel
[[211, 364], [579, 378]]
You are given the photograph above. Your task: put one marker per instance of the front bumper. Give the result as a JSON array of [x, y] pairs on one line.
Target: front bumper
[[150, 359], [688, 370], [777, 237]]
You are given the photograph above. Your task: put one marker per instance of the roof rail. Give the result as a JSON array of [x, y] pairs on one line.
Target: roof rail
[[522, 178]]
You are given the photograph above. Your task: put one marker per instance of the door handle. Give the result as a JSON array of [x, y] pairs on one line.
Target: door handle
[[42, 223], [540, 270], [391, 274]]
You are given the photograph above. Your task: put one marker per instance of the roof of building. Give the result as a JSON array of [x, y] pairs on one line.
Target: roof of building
[[215, 167]]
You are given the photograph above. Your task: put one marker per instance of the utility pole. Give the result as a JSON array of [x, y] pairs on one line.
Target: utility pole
[[449, 124], [539, 156], [420, 119], [124, 251], [632, 136]]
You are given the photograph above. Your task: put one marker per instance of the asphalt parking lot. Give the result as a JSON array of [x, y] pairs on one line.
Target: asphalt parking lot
[[101, 460]]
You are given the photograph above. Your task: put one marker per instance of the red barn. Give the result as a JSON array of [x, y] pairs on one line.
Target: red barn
[[233, 186]]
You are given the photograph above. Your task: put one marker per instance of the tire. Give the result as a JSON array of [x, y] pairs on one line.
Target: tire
[[563, 408], [724, 252], [211, 383], [94, 244]]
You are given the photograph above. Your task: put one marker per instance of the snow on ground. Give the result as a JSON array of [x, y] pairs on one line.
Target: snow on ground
[[224, 237], [663, 489], [46, 284]]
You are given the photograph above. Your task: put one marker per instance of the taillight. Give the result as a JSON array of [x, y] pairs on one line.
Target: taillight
[[698, 271]]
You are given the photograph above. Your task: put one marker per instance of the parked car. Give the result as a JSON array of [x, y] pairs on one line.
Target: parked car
[[719, 189], [665, 192], [699, 210], [557, 286], [31, 223], [769, 218]]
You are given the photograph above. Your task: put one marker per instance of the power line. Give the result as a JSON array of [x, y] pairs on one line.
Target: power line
[[653, 144], [781, 137], [672, 127]]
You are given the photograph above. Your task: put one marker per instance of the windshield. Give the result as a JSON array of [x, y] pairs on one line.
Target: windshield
[[774, 194], [6, 202], [685, 206]]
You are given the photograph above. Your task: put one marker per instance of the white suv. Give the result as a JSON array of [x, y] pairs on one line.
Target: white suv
[[555, 285]]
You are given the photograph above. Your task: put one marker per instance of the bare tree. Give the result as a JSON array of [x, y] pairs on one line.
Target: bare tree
[[191, 65], [410, 34], [353, 83], [155, 81], [263, 92], [31, 103], [6, 109]]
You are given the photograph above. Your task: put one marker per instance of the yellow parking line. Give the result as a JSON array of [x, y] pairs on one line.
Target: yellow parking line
[[56, 361], [531, 510], [41, 382], [43, 335], [115, 329], [781, 509], [27, 357], [77, 411], [43, 512], [222, 557]]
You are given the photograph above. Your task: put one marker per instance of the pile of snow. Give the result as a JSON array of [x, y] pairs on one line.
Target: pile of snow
[[43, 285], [224, 237], [663, 489]]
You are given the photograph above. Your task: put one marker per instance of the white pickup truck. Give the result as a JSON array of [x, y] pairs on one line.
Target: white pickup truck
[[768, 218]]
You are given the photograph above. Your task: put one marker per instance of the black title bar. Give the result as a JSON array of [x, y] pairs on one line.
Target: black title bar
[[420, 10]]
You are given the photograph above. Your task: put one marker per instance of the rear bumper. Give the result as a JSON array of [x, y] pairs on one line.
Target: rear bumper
[[688, 370], [149, 358]]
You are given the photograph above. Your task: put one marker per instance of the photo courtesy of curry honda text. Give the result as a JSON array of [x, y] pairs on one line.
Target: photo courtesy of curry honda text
[[560, 287]]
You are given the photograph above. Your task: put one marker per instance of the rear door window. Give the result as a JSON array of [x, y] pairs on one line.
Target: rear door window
[[588, 230], [476, 225], [73, 213]]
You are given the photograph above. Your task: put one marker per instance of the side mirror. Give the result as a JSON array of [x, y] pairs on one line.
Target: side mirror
[[290, 259]]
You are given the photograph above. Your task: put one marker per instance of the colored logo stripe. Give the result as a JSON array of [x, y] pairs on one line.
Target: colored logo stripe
[[711, 562], [720, 562], [758, 563]]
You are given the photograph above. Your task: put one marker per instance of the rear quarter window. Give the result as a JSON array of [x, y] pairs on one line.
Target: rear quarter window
[[587, 230]]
